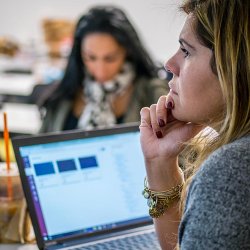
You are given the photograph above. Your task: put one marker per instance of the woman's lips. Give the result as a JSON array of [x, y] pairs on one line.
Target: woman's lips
[[171, 85]]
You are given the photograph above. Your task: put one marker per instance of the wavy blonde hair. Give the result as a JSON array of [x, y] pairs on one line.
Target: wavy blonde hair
[[224, 27]]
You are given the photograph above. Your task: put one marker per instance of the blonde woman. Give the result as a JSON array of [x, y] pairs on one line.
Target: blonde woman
[[210, 88]]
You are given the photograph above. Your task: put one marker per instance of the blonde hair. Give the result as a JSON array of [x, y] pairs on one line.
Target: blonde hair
[[224, 27]]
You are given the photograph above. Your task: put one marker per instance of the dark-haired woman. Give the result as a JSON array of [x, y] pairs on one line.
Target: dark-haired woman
[[109, 76]]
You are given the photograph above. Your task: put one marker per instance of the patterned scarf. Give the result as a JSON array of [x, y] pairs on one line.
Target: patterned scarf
[[98, 112]]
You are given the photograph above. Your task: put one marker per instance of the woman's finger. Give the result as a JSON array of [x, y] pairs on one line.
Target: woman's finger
[[161, 111], [169, 104], [145, 117], [154, 121]]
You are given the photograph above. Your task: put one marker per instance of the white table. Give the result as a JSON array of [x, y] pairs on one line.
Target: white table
[[22, 118], [17, 84]]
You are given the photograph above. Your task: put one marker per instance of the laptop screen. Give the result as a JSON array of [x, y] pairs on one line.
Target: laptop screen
[[85, 185]]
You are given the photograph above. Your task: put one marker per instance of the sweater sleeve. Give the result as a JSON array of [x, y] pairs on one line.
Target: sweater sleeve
[[217, 211]]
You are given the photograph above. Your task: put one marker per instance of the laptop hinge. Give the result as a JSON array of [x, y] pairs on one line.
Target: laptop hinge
[[50, 244], [65, 244]]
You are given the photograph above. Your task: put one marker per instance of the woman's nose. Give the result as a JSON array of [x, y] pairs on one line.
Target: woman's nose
[[100, 72], [172, 66]]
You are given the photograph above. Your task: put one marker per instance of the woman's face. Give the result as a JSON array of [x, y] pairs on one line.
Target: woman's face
[[195, 89], [102, 56]]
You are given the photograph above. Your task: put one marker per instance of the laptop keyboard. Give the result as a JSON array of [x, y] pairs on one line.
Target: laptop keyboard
[[146, 241]]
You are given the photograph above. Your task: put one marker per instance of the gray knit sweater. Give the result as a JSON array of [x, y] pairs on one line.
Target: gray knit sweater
[[217, 212]]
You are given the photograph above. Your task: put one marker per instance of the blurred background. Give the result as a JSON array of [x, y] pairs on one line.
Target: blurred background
[[157, 21]]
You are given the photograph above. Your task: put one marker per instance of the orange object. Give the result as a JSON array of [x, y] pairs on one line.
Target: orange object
[[7, 151], [6, 141]]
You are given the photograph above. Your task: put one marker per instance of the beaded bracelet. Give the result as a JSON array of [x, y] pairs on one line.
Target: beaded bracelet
[[159, 202]]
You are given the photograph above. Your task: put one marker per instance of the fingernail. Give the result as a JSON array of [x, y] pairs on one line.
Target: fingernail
[[170, 105], [159, 134], [161, 122]]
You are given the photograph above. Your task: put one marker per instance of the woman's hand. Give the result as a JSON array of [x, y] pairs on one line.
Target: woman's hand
[[162, 136]]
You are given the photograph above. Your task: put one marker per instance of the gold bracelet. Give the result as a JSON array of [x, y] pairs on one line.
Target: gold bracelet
[[159, 201]]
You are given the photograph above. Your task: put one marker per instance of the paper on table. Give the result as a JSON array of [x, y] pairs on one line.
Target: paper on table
[[16, 84], [22, 118]]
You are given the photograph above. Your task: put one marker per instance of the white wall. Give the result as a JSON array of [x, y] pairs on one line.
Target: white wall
[[158, 22]]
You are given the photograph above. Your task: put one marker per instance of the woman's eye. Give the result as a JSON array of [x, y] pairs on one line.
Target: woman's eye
[[90, 58], [186, 53], [110, 59]]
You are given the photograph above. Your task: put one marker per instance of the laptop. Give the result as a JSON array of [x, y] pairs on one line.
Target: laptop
[[83, 189]]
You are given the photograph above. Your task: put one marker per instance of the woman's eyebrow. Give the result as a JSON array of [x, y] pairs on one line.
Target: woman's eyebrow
[[114, 53], [92, 53], [183, 41]]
